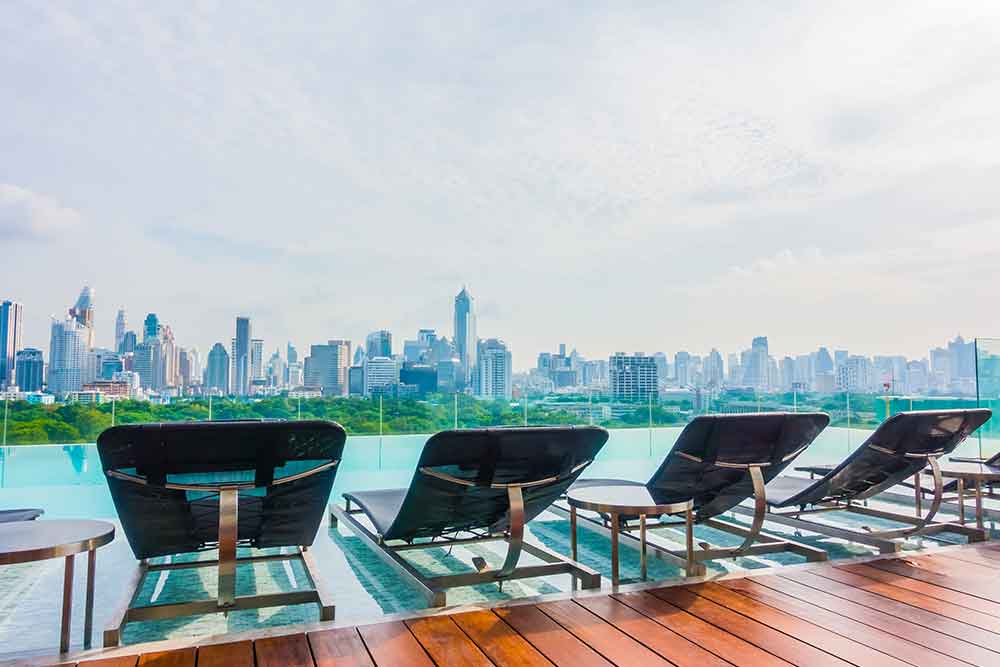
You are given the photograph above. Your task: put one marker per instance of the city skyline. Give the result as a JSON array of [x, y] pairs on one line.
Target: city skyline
[[769, 180]]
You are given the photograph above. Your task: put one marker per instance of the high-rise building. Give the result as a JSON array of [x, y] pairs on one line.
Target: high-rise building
[[682, 368], [757, 369], [421, 376], [30, 366], [493, 369], [121, 325], [129, 341], [242, 368], [632, 378], [150, 327], [11, 317], [855, 374], [465, 333], [67, 347], [148, 362], [83, 313], [291, 353], [257, 359], [713, 371], [327, 367], [276, 369], [824, 362], [381, 373], [378, 344], [356, 381], [217, 369]]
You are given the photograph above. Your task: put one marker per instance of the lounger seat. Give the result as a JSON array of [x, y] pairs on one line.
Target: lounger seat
[[780, 489], [585, 483], [472, 486], [381, 506], [8, 516]]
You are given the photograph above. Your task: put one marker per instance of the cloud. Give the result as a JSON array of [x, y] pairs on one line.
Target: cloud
[[27, 215]]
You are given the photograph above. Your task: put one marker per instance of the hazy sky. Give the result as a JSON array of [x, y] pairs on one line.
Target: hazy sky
[[616, 176]]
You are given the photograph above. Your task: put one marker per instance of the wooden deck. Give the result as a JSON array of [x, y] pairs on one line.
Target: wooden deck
[[925, 610]]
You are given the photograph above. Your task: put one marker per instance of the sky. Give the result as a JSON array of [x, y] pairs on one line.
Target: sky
[[617, 176]]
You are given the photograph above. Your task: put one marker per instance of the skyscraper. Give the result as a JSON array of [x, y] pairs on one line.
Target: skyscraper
[[756, 373], [256, 359], [67, 346], [493, 368], [30, 365], [150, 327], [682, 368], [217, 369], [381, 373], [121, 324], [378, 344], [83, 313], [10, 340], [327, 367], [241, 357], [129, 341], [465, 333]]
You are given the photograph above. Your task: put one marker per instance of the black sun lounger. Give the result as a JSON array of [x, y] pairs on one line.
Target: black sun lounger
[[902, 446], [189, 487], [8, 516], [483, 483], [718, 461]]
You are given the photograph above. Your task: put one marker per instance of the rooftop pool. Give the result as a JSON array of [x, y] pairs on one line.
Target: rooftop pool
[[67, 482]]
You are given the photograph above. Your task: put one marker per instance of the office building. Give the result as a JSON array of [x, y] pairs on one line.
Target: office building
[[757, 369], [327, 366], [121, 326], [356, 381], [83, 313], [682, 368], [378, 344], [465, 334], [855, 374], [493, 370], [148, 362], [241, 357], [11, 323], [30, 368], [257, 359], [129, 341], [67, 348], [217, 369], [381, 374], [713, 372], [633, 378], [448, 372], [421, 376], [150, 327]]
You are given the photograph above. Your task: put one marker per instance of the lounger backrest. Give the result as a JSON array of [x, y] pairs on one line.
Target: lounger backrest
[[458, 482], [710, 460], [143, 462], [897, 450]]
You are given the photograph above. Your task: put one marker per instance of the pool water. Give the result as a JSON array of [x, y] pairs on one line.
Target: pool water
[[67, 482]]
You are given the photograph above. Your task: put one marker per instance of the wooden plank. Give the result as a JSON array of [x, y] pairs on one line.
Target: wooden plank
[[446, 643], [907, 651], [915, 570], [184, 657], [924, 588], [970, 616], [285, 651], [120, 661], [392, 644], [902, 628], [499, 641], [603, 637], [949, 566], [233, 654], [551, 639], [767, 638], [833, 643], [723, 644], [667, 643], [922, 617], [970, 556], [339, 647]]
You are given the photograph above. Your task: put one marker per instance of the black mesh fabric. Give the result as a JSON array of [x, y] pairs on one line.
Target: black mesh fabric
[[434, 507], [734, 439], [160, 521], [882, 460]]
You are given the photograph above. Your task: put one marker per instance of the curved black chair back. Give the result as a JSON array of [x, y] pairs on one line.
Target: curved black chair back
[[462, 477], [898, 449], [711, 459], [164, 480]]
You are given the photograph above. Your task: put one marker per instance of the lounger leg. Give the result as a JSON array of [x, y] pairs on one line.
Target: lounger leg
[[961, 501], [642, 546], [918, 494], [614, 549], [67, 606], [327, 610], [979, 505], [515, 538], [572, 531], [228, 519], [88, 618]]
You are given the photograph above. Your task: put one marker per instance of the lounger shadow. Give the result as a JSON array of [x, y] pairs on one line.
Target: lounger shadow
[[190, 487], [486, 484]]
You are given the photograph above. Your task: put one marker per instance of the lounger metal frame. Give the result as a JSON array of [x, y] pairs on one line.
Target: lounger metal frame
[[434, 589], [226, 600], [883, 540], [755, 541]]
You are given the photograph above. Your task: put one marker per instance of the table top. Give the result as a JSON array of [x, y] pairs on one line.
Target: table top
[[623, 499], [25, 541], [970, 471]]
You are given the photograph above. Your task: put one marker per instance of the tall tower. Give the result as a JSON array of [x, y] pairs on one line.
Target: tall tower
[[121, 323], [493, 368], [83, 313], [10, 340], [465, 333], [241, 356], [67, 348], [378, 344]]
